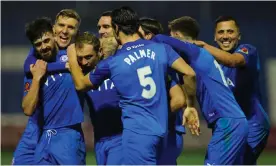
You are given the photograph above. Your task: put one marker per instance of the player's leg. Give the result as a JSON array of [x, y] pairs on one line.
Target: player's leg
[[114, 156], [257, 139], [67, 146], [41, 156], [100, 152], [139, 149], [228, 142], [171, 149], [24, 153]]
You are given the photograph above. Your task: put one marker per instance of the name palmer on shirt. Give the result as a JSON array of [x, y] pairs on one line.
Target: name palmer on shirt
[[143, 53]]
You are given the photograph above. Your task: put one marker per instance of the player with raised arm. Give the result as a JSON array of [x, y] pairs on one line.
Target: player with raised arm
[[240, 63], [103, 102], [218, 105], [174, 141], [59, 104], [66, 27], [138, 72]]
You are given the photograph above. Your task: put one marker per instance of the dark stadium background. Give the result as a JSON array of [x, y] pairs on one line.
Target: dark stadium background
[[257, 23]]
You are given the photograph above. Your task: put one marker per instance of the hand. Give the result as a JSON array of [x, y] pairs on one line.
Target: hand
[[38, 69], [199, 43], [71, 52], [190, 119]]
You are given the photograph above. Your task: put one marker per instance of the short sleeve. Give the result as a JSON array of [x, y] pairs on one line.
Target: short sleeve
[[100, 73], [249, 53], [172, 55]]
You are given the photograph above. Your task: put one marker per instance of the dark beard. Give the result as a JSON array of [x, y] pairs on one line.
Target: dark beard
[[86, 70]]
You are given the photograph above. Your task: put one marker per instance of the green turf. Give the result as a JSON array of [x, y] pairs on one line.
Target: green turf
[[189, 157]]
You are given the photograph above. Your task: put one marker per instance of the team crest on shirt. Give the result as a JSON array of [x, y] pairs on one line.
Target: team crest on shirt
[[27, 87], [243, 50], [64, 58]]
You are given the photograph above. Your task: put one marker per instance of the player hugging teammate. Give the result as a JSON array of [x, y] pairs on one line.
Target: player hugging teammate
[[141, 88]]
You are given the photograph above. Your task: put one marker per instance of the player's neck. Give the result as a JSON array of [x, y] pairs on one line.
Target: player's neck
[[128, 38], [187, 39]]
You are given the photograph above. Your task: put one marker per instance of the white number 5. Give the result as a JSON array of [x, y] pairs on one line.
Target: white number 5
[[144, 81]]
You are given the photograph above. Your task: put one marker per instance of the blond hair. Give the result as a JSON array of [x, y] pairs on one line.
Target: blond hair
[[88, 38], [108, 46]]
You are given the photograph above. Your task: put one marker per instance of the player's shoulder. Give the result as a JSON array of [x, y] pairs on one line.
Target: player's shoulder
[[106, 61], [247, 45], [205, 53], [153, 43], [246, 49], [158, 39]]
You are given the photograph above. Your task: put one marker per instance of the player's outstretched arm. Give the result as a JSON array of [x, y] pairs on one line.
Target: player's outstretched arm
[[57, 67], [189, 78], [30, 100], [178, 64], [177, 98], [51, 67], [232, 60], [187, 48], [81, 81], [190, 115]]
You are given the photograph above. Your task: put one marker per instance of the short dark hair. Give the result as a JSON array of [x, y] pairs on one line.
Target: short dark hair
[[88, 38], [150, 25], [126, 19], [226, 18], [38, 27], [186, 25], [107, 13]]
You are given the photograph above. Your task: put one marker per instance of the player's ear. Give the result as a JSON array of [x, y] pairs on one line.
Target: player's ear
[[149, 36], [179, 35], [215, 39], [100, 51], [54, 30], [239, 36], [117, 30]]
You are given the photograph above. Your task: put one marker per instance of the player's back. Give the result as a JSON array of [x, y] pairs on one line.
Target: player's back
[[104, 109], [248, 76], [214, 96], [138, 71]]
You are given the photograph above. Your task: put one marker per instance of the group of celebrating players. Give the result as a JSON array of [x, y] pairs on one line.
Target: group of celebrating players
[[142, 88]]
